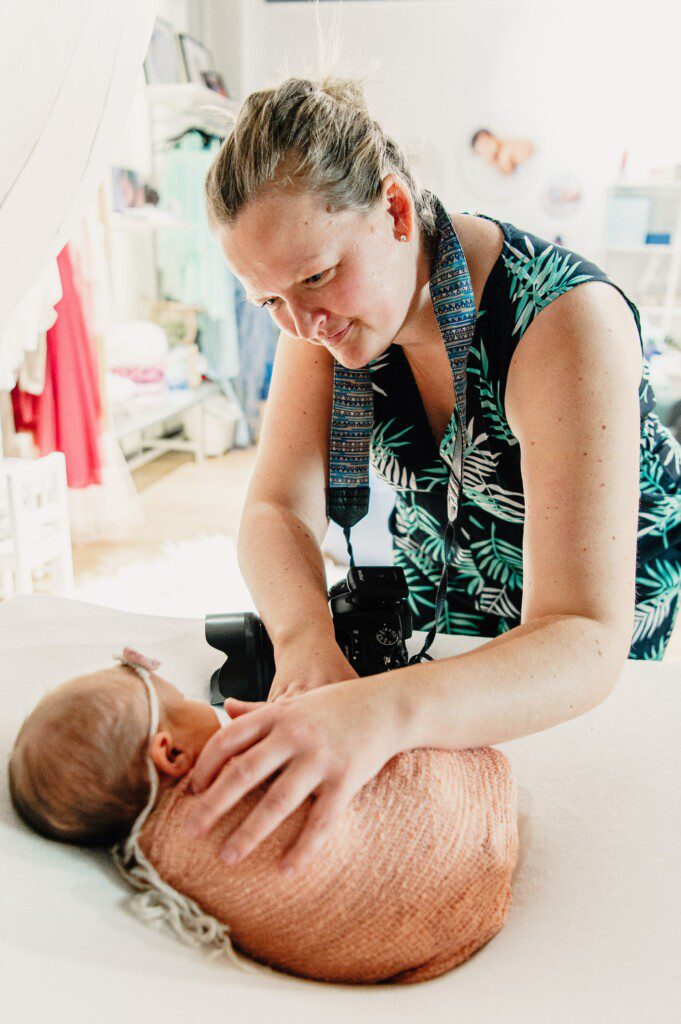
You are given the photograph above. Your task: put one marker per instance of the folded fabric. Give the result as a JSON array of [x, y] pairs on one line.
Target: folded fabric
[[410, 882]]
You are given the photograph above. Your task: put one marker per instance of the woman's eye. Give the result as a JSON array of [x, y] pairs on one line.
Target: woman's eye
[[307, 281]]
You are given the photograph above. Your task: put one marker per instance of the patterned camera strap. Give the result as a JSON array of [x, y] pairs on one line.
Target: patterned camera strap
[[352, 421]]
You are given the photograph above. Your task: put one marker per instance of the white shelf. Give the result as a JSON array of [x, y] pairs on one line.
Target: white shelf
[[665, 193], [177, 401], [178, 106], [660, 310], [186, 95], [147, 222], [646, 186], [666, 249]]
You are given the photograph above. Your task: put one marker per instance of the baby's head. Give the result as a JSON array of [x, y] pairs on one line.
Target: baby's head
[[78, 771]]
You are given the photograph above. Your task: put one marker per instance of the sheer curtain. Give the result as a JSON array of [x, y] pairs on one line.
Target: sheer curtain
[[67, 75]]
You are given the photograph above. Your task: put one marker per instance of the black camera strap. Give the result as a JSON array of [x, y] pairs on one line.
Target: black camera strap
[[352, 420]]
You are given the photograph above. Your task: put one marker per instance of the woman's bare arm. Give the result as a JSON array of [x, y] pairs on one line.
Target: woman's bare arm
[[284, 518]]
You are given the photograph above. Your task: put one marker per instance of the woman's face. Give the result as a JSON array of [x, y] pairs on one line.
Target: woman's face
[[318, 270]]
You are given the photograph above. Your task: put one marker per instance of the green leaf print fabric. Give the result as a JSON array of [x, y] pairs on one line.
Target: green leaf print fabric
[[485, 584]]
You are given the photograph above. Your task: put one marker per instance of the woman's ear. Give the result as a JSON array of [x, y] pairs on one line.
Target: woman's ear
[[169, 757]]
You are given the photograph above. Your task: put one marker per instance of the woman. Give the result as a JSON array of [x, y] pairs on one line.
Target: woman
[[559, 516]]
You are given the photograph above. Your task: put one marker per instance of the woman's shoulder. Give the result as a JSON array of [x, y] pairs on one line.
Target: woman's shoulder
[[482, 241], [483, 235]]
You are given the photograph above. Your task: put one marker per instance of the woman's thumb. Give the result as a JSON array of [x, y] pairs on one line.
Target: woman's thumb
[[235, 707]]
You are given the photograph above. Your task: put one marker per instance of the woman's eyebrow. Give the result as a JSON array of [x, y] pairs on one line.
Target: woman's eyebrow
[[314, 259]]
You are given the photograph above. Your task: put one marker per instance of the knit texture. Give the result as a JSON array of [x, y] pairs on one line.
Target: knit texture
[[410, 882]]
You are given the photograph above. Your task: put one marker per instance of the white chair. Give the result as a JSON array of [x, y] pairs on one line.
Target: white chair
[[34, 523]]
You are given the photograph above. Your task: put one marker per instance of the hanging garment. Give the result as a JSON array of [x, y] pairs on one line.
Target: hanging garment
[[32, 371], [258, 335], [65, 417], [22, 330], [193, 267], [381, 404], [192, 264], [112, 510], [91, 271]]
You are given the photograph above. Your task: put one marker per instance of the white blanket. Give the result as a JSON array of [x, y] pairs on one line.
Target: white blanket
[[594, 934]]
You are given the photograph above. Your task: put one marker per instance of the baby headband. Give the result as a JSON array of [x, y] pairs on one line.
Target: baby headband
[[157, 902]]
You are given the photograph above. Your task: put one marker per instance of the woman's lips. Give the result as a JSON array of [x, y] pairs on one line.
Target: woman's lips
[[334, 339]]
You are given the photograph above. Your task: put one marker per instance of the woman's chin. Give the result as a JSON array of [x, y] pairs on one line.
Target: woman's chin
[[352, 355], [350, 360]]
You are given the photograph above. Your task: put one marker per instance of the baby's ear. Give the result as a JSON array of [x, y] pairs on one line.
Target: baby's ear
[[170, 759]]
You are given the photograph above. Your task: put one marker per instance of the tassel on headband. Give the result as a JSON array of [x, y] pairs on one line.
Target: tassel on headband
[[157, 902]]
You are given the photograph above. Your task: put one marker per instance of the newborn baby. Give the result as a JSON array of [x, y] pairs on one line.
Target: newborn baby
[[413, 879]]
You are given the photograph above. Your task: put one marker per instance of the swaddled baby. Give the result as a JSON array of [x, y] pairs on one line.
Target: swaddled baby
[[411, 881]]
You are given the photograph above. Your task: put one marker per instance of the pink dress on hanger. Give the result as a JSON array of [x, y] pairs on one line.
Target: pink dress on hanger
[[66, 416]]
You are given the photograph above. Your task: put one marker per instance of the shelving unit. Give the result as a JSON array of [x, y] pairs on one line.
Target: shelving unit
[[147, 221], [177, 403], [173, 106], [668, 312], [189, 94], [164, 110]]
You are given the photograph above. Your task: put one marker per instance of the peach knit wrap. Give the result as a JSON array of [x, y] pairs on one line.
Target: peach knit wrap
[[411, 881]]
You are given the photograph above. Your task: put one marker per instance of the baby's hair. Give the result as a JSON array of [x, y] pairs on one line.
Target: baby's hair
[[476, 136], [89, 787]]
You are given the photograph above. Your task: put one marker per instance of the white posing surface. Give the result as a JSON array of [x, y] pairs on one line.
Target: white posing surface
[[593, 933]]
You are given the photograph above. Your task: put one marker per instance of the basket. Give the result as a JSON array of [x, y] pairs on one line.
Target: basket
[[178, 320]]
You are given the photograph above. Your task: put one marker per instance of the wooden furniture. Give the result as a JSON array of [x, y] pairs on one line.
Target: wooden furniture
[[34, 523]]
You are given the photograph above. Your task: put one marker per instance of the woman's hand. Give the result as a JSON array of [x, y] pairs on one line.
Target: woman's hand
[[329, 742], [306, 666]]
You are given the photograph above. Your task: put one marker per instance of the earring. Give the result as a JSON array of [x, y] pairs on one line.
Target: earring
[[403, 238]]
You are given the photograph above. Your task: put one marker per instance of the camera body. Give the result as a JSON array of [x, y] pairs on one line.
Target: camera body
[[371, 620]]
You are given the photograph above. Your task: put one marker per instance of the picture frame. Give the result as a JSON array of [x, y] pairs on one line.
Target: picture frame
[[164, 63], [128, 189], [214, 80], [197, 58]]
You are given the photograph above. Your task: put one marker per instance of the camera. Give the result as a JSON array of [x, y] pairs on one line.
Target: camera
[[371, 621]]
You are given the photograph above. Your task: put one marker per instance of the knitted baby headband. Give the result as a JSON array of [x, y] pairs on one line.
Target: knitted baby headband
[[156, 902]]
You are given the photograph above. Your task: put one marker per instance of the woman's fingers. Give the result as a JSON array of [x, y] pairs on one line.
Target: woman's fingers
[[224, 743], [324, 813], [236, 779], [283, 797], [235, 707]]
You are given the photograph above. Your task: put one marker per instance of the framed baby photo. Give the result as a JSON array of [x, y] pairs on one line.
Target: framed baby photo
[[197, 58]]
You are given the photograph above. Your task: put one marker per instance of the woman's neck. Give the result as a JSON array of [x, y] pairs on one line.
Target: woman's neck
[[420, 330]]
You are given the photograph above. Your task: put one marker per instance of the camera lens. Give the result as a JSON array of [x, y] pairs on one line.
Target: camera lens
[[249, 669]]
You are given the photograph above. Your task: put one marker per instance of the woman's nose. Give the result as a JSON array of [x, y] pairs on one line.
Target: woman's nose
[[307, 323]]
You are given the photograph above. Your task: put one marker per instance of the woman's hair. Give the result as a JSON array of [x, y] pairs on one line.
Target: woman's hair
[[310, 136], [77, 772]]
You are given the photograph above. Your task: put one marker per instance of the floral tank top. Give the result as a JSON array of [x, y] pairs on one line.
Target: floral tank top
[[484, 590]]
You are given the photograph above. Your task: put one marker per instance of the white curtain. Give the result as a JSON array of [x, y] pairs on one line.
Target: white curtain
[[67, 75]]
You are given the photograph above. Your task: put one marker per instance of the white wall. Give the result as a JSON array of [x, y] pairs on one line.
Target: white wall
[[584, 79]]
